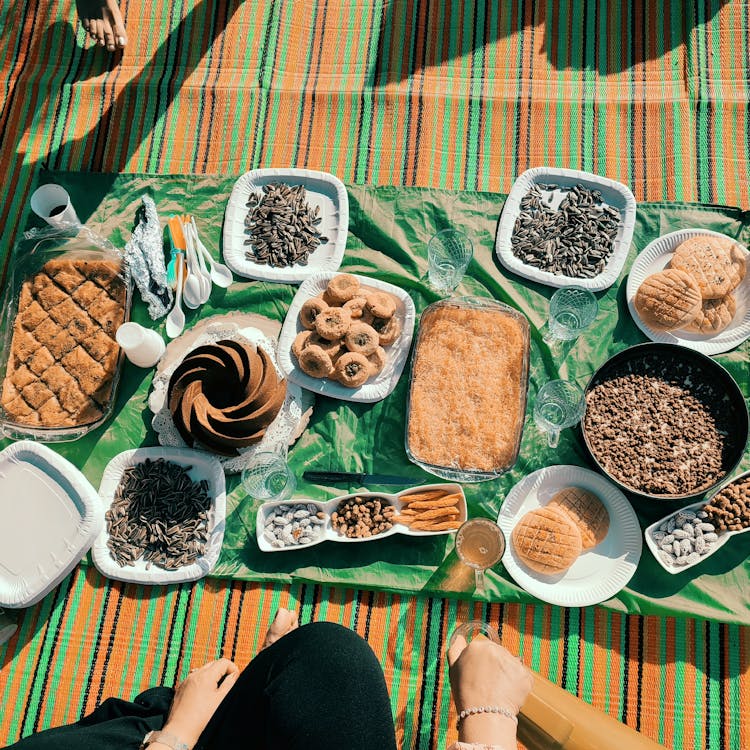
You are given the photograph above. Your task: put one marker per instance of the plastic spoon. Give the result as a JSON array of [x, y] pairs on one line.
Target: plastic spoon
[[176, 318], [192, 288], [220, 274], [201, 271]]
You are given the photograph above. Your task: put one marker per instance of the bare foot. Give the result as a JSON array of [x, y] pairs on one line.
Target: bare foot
[[102, 20], [284, 622]]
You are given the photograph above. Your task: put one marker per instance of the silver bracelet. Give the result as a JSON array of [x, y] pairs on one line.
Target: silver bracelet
[[486, 710]]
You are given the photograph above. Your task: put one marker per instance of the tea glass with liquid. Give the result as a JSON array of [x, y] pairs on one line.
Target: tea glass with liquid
[[480, 544]]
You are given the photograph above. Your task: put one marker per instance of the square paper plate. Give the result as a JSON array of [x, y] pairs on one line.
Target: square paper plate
[[599, 573], [204, 466], [614, 194], [654, 258], [324, 190], [50, 516], [376, 388]]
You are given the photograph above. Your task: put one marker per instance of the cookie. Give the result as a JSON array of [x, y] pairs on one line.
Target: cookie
[[714, 316], [669, 299], [718, 264], [342, 288], [547, 541], [586, 511]]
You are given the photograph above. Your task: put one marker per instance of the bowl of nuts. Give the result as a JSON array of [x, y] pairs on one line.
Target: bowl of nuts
[[692, 534], [664, 422], [360, 517]]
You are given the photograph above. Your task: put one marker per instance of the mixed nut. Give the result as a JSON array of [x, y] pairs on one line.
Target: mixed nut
[[282, 226], [685, 538], [359, 517], [576, 240], [291, 525]]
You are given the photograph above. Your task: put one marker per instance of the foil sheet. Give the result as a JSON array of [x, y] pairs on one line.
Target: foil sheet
[[145, 258]]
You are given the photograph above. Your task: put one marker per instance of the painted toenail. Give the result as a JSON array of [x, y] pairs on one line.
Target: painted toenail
[[121, 41], [111, 47]]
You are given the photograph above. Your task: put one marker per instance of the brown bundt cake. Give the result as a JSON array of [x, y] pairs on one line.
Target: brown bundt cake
[[223, 396]]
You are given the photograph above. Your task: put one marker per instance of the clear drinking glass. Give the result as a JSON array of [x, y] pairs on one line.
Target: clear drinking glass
[[559, 404], [571, 310], [268, 477], [474, 629], [448, 255], [480, 543]]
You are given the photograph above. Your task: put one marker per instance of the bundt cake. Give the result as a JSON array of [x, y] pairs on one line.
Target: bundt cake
[[223, 396]]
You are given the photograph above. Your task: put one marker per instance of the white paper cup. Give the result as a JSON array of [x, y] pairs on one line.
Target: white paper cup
[[52, 203], [142, 346]]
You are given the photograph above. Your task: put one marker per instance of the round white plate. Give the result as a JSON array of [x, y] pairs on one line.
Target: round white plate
[[597, 575], [376, 388], [204, 466], [654, 258], [323, 190], [614, 194]]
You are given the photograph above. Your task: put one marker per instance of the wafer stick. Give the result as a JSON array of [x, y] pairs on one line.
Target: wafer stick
[[441, 526], [408, 512], [427, 495], [441, 502], [436, 513]]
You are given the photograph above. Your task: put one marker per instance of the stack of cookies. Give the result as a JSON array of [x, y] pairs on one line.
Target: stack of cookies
[[694, 292], [549, 540], [345, 331]]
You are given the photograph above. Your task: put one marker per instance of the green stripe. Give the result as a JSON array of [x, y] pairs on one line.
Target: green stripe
[[680, 657], [586, 666]]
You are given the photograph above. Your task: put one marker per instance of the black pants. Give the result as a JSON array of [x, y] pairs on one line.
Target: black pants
[[318, 688]]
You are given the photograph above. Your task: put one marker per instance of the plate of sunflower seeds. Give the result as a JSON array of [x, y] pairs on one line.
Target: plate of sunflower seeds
[[285, 224]]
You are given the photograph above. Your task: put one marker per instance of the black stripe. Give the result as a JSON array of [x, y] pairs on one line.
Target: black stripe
[[408, 97], [420, 98], [233, 654], [99, 633], [170, 634], [317, 596], [723, 638], [356, 609], [225, 7], [61, 594], [644, 113], [438, 674], [625, 669], [232, 588], [258, 140], [485, 63], [527, 102], [565, 634], [362, 99], [639, 693], [110, 645], [517, 115], [707, 690], [368, 618], [472, 103], [422, 689], [316, 73]]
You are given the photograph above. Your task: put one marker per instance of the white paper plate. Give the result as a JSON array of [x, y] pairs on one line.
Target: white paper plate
[[596, 575], [654, 258], [614, 194], [323, 190], [329, 534], [50, 516], [376, 388], [205, 467]]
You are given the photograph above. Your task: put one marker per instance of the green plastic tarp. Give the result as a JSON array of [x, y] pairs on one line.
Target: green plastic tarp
[[388, 232]]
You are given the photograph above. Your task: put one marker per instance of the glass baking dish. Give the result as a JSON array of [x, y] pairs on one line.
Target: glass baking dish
[[30, 255], [467, 389]]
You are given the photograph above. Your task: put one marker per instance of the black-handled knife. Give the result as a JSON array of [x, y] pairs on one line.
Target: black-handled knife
[[354, 477]]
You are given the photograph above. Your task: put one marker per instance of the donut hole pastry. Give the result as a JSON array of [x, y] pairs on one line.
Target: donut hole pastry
[[586, 511], [718, 264], [331, 348], [714, 316], [315, 362], [381, 304], [333, 323], [669, 299], [388, 329], [362, 338], [300, 342], [310, 311], [377, 361], [352, 369], [547, 541], [342, 287], [356, 306]]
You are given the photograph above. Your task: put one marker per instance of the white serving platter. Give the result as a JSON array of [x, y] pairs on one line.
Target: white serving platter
[[51, 515], [323, 190], [614, 194], [723, 536], [204, 466], [375, 389], [597, 574], [329, 534], [654, 258]]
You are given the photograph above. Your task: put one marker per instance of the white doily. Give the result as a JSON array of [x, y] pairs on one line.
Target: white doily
[[279, 433]]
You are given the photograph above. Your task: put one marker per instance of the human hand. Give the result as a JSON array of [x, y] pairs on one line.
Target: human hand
[[197, 698], [484, 673]]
